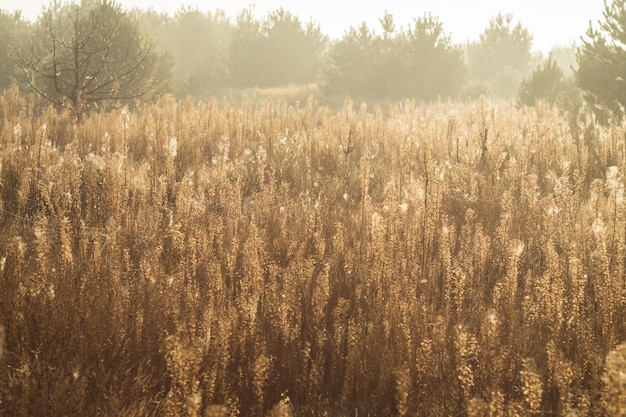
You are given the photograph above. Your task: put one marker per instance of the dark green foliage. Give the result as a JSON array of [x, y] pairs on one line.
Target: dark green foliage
[[502, 56], [198, 44], [420, 62], [602, 61], [545, 83], [549, 83], [243, 48], [280, 50], [352, 62], [435, 66]]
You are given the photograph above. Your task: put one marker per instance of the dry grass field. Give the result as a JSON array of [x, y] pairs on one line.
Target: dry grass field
[[439, 260]]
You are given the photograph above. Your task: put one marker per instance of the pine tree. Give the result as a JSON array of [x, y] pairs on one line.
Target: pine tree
[[602, 61], [545, 82], [502, 56]]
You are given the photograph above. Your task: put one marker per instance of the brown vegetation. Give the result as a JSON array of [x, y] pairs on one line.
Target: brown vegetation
[[441, 260]]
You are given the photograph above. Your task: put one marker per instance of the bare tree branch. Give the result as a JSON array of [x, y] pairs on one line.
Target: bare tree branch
[[86, 53]]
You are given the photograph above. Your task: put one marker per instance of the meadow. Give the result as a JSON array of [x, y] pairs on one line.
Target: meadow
[[449, 259]]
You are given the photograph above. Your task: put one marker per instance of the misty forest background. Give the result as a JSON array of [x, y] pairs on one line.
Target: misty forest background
[[203, 54]]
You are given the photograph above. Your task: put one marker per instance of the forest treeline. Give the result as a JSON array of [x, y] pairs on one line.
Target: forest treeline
[[201, 54]]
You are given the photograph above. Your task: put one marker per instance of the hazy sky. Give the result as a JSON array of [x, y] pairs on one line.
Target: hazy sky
[[550, 21]]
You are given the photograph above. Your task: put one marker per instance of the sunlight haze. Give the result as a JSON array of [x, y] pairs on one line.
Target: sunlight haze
[[552, 22]]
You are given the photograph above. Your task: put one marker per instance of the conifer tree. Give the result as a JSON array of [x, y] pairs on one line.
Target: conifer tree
[[601, 60], [545, 83]]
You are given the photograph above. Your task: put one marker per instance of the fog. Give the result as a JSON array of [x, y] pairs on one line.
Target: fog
[[551, 22], [439, 50]]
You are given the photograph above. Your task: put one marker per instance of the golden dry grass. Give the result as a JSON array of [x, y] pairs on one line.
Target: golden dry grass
[[439, 260]]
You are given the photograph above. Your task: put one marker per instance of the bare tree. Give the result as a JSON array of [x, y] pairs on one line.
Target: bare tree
[[83, 54]]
